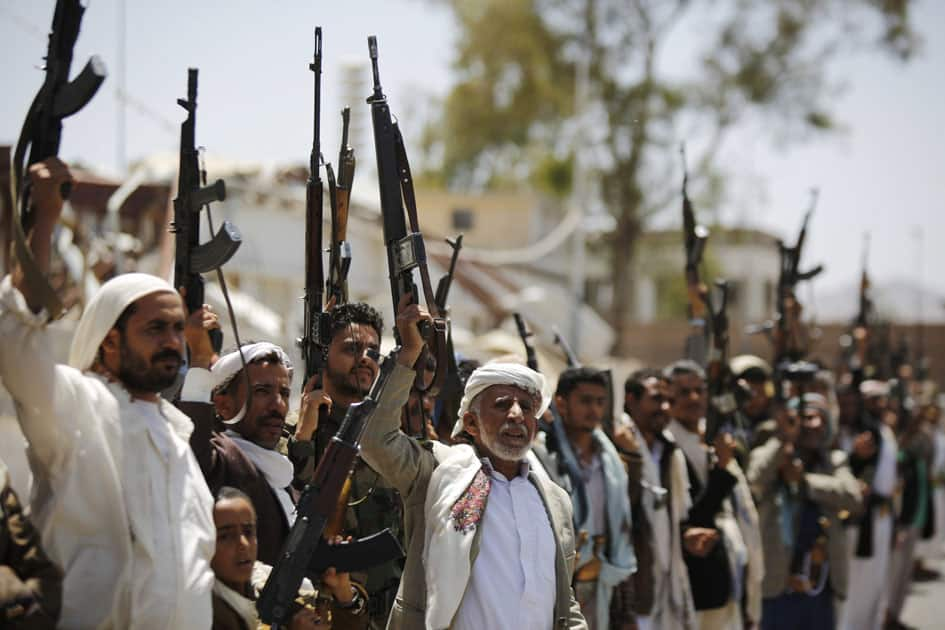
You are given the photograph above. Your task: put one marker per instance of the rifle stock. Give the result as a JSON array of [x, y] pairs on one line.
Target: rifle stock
[[315, 331], [339, 258]]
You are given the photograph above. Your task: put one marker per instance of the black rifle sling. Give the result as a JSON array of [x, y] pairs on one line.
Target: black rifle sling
[[436, 343]]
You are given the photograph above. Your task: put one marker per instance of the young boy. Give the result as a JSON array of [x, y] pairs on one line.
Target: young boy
[[239, 575]]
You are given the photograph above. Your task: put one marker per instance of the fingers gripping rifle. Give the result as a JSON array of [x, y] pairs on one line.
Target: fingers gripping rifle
[[694, 239], [191, 259], [57, 98], [557, 439], [405, 248], [305, 553]]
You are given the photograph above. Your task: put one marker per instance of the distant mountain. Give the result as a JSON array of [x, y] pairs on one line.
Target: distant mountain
[[897, 300]]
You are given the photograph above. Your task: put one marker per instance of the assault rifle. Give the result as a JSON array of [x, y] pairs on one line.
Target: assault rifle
[[339, 257], [865, 310], [57, 98], [787, 344], [557, 440], [722, 400], [447, 403], [191, 259], [694, 239], [405, 248], [306, 553], [315, 332]]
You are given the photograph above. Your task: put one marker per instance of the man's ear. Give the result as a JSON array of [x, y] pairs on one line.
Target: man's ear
[[110, 348], [224, 405], [471, 424], [560, 402]]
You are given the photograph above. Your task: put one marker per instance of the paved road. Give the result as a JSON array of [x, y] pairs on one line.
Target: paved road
[[925, 606]]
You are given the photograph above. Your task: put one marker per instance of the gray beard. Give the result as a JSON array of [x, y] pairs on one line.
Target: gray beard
[[502, 451]]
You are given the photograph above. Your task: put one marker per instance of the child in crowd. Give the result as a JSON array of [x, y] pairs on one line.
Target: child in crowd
[[239, 577]]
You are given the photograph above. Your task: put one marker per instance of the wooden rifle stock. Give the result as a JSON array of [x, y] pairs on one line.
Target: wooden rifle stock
[[315, 331]]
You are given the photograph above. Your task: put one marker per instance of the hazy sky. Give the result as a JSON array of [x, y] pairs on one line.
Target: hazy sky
[[885, 174]]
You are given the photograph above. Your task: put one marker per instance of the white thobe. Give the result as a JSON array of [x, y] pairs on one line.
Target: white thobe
[[512, 586], [867, 592], [118, 497]]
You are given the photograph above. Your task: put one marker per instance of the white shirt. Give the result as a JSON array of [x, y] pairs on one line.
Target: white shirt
[[118, 497], [593, 476], [512, 586], [884, 481]]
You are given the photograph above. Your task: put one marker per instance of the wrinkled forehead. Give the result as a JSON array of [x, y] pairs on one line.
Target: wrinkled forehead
[[494, 392]]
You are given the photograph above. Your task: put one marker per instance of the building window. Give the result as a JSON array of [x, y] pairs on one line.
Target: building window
[[463, 219]]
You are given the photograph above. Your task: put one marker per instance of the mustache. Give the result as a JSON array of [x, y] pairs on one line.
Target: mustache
[[273, 416], [166, 354], [513, 429]]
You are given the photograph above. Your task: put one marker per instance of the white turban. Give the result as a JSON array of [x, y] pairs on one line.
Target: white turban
[[874, 389], [229, 365], [103, 311], [503, 374]]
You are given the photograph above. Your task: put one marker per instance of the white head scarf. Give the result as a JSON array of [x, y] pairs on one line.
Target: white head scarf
[[229, 365], [503, 374], [103, 311]]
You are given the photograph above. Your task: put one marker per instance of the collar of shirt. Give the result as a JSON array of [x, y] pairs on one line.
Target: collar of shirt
[[523, 468]]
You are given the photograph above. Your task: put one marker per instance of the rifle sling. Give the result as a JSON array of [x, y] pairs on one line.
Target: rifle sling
[[436, 343]]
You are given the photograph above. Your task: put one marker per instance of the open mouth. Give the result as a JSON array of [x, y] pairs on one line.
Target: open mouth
[[519, 437]]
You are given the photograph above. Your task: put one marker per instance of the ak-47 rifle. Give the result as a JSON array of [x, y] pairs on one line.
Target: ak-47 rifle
[[306, 553], [865, 310], [788, 346], [339, 253], [722, 400], [191, 259], [57, 98], [694, 239], [405, 248], [557, 440], [316, 324], [447, 403]]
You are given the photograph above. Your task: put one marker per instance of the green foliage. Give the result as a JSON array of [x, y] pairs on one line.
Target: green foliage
[[510, 117]]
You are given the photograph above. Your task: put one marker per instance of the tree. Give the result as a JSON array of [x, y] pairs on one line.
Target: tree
[[511, 115]]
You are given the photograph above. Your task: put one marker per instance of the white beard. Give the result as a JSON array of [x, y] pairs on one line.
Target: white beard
[[505, 452]]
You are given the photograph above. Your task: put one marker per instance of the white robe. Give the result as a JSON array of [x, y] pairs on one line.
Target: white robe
[[118, 497]]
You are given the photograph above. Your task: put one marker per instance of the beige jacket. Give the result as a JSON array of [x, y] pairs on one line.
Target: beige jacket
[[833, 488], [407, 465]]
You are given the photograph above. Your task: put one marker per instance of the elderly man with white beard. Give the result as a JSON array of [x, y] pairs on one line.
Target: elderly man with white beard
[[490, 540], [118, 496]]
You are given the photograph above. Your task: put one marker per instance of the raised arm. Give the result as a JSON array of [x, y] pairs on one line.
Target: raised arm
[[400, 459], [45, 393]]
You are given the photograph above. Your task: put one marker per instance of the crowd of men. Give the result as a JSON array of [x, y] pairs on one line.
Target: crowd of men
[[533, 508]]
